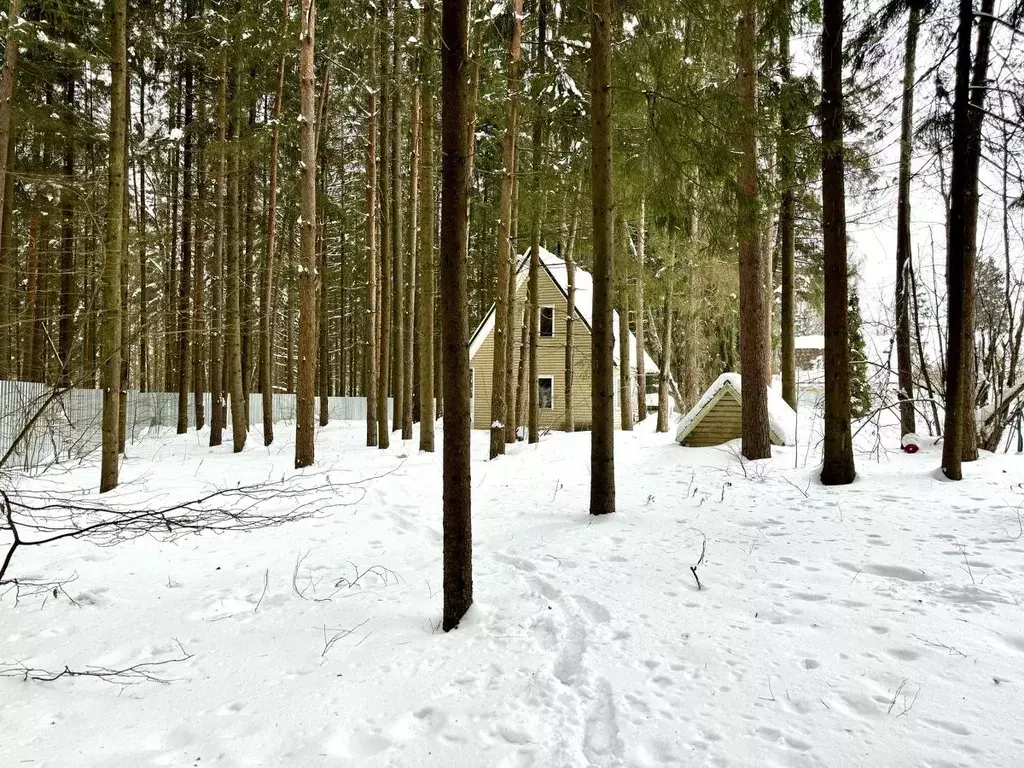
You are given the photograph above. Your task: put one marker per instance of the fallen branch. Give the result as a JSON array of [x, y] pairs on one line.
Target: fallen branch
[[703, 551], [133, 675], [339, 634]]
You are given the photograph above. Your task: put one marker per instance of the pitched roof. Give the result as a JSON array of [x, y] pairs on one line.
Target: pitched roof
[[781, 418], [557, 271]]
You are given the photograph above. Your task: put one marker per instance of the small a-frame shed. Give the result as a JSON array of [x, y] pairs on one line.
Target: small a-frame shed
[[717, 416]]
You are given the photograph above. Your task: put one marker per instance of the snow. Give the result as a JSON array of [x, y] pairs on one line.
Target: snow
[[809, 342], [875, 624], [781, 418], [558, 270]]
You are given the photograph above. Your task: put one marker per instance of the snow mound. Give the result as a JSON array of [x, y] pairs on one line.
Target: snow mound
[[781, 418]]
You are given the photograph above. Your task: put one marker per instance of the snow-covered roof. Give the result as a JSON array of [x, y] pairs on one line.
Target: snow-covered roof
[[556, 269], [809, 342], [781, 418]]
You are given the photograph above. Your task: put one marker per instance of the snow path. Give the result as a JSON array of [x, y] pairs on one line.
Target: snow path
[[875, 624]]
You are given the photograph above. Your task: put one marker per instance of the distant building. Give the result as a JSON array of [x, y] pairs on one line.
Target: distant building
[[552, 297], [810, 352], [717, 416]]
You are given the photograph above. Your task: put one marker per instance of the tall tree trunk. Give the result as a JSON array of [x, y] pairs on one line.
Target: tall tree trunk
[[397, 246], [837, 467], [199, 282], [111, 343], [570, 338], [959, 252], [8, 298], [522, 393], [625, 375], [602, 442], [979, 86], [428, 412], [505, 255], [410, 288], [170, 303], [7, 143], [641, 372], [266, 296], [457, 490], [239, 404], [28, 372], [535, 220], [217, 269], [903, 243], [386, 245], [185, 288], [665, 365], [304, 427], [68, 304], [323, 353], [755, 340], [144, 318], [787, 212], [515, 310], [122, 411], [371, 356]]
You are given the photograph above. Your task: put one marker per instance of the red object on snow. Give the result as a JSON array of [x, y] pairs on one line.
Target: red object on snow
[[910, 443]]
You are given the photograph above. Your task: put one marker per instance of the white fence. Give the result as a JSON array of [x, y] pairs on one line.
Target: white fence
[[69, 426]]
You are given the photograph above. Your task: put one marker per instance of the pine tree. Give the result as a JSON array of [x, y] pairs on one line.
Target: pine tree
[[860, 389]]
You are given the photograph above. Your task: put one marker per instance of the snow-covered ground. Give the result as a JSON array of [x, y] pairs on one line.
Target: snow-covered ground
[[878, 624]]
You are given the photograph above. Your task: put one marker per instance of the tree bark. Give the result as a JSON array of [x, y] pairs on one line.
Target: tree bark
[[413, 243], [625, 375], [185, 274], [535, 220], [323, 351], [641, 372], [837, 466], [304, 426], [457, 493], [217, 277], [267, 302], [199, 281], [239, 406], [111, 343], [787, 213], [979, 86], [959, 250], [665, 365], [903, 243], [428, 258], [371, 356], [570, 337], [68, 304], [505, 256], [755, 340], [602, 443], [386, 245], [397, 246]]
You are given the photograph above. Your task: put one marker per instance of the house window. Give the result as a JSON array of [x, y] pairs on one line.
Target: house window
[[547, 322], [546, 386]]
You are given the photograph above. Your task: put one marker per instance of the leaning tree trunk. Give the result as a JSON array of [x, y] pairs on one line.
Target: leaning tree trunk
[[458, 534], [641, 373], [755, 341], [371, 356], [837, 459], [602, 390], [111, 343], [787, 214], [505, 255], [959, 248], [304, 427], [239, 415], [267, 303], [427, 253]]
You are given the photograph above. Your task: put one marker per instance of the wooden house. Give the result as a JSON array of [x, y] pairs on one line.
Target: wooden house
[[716, 418], [553, 304]]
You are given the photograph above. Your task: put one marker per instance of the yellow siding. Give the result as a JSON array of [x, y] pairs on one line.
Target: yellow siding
[[550, 362], [719, 425]]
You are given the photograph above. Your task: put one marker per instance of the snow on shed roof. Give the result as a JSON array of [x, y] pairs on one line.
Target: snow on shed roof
[[556, 269], [781, 418]]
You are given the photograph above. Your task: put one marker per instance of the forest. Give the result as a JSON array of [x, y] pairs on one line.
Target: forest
[[514, 234]]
